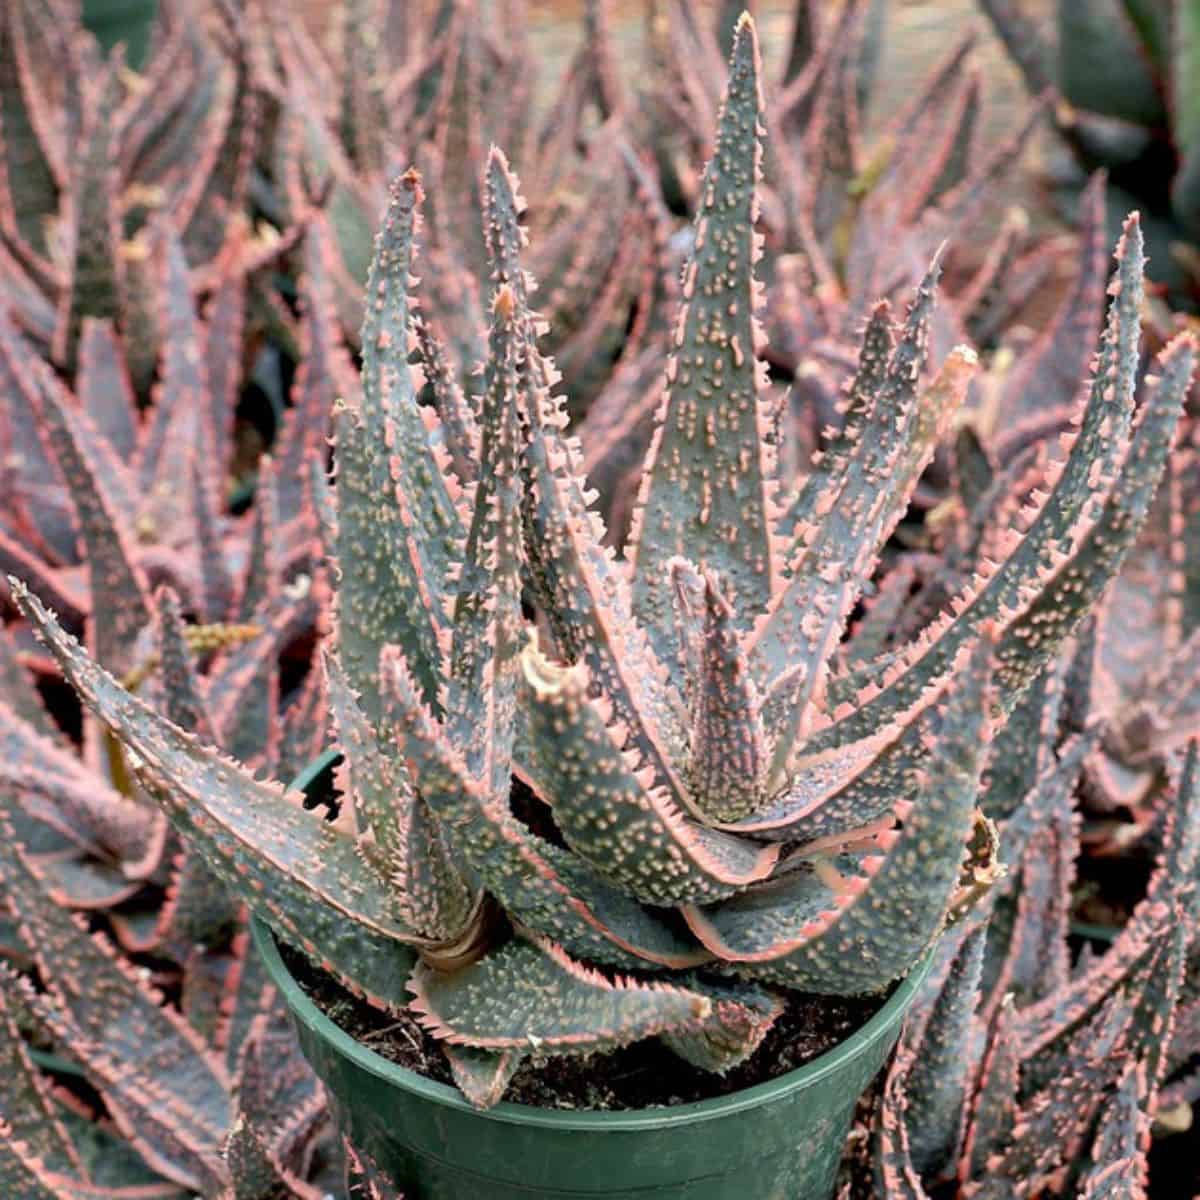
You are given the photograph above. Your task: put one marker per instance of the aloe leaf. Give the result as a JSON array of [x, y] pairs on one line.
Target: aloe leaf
[[396, 521], [104, 387], [1065, 599], [936, 1080], [707, 484], [628, 831], [729, 751], [536, 998], [851, 923], [299, 873], [482, 1075], [1072, 507], [544, 887], [94, 287], [127, 1041], [582, 590], [25, 1100], [488, 629], [27, 178], [398, 833], [1119, 1169], [113, 572]]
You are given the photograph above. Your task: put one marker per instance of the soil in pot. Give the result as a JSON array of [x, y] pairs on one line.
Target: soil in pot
[[644, 1075]]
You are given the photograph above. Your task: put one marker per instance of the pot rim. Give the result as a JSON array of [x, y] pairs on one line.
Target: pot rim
[[305, 1011]]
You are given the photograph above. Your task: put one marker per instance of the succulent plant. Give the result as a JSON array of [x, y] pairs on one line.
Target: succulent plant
[[681, 713], [181, 1111], [206, 1092], [1012, 1093], [1126, 79]]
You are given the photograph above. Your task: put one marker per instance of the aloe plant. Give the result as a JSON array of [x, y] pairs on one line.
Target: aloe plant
[[202, 1112], [202, 1091], [1010, 1092], [682, 713], [1126, 78]]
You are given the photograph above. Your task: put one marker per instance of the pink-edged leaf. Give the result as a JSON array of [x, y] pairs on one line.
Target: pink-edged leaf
[[104, 387], [460, 429], [301, 874], [395, 521], [862, 416], [729, 751], [280, 1107], [126, 1039], [707, 484], [584, 593], [24, 1174], [113, 572], [199, 908], [80, 803], [1053, 1021], [935, 1082], [28, 183], [545, 888], [397, 830], [180, 428], [990, 1110], [1071, 508], [260, 580], [216, 583], [480, 695], [1030, 956], [895, 1176], [482, 1075], [93, 218], [25, 1099], [742, 1015], [235, 132], [243, 687], [41, 509], [225, 320], [628, 830], [1066, 598], [806, 618], [1119, 1169], [323, 373], [851, 922], [531, 997]]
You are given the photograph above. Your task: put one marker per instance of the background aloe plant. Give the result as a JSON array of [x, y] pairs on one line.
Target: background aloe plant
[[687, 715], [1021, 1073], [1125, 74]]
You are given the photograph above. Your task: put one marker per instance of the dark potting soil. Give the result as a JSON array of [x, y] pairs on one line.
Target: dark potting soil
[[644, 1075]]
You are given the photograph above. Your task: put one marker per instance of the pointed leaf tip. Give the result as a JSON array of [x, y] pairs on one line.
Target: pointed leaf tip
[[745, 25]]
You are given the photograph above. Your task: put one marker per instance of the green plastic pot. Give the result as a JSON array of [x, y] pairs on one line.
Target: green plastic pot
[[780, 1140], [128, 21]]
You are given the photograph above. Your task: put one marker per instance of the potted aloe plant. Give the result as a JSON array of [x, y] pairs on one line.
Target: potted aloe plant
[[593, 804]]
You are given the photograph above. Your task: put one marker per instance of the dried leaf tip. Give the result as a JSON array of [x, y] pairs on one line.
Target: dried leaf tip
[[547, 678], [411, 181], [505, 302]]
